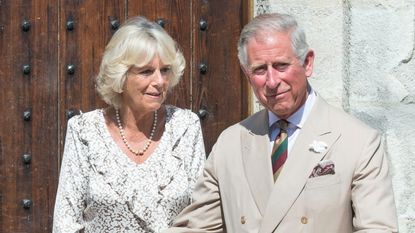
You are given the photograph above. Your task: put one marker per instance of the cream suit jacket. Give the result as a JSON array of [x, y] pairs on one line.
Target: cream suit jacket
[[236, 192]]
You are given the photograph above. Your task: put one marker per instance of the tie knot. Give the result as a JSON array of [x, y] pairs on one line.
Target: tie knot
[[282, 124]]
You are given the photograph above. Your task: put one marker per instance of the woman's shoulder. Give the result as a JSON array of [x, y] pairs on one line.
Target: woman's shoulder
[[86, 119], [180, 114]]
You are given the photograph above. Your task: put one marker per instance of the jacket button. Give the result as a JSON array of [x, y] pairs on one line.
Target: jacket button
[[304, 220], [243, 220]]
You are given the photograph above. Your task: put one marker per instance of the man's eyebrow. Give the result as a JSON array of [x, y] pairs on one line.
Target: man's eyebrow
[[252, 67]]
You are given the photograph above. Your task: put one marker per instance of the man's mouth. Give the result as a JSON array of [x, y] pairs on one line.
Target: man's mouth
[[276, 93]]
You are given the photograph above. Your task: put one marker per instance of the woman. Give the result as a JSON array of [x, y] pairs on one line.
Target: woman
[[132, 166]]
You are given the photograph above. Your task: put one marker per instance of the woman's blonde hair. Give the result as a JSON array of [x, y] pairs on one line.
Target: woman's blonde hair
[[136, 43]]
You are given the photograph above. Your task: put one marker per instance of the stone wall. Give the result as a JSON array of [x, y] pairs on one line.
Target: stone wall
[[365, 64]]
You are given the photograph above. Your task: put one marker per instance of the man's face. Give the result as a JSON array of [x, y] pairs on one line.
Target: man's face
[[277, 77]]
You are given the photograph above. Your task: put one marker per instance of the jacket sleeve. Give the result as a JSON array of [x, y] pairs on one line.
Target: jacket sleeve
[[372, 193], [204, 214], [69, 204]]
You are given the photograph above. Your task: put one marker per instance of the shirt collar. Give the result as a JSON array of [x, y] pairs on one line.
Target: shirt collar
[[298, 118]]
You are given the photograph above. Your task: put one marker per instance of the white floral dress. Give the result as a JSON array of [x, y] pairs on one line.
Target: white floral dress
[[102, 190]]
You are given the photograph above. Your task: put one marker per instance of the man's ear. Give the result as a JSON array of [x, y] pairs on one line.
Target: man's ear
[[245, 70], [309, 63]]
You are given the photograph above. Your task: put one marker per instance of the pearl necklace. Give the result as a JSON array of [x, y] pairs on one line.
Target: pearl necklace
[[124, 139]]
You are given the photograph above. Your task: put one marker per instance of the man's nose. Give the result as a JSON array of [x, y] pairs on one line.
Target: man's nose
[[273, 77]]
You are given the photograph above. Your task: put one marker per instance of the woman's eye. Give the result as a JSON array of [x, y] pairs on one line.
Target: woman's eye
[[165, 70], [147, 72]]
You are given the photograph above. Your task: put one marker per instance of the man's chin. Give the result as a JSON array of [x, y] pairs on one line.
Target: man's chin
[[280, 111]]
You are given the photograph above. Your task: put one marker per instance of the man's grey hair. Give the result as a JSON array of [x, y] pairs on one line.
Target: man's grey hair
[[263, 24]]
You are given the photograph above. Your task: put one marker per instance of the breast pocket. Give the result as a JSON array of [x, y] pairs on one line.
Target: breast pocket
[[322, 181], [322, 193]]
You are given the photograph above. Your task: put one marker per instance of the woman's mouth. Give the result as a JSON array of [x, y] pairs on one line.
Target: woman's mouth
[[154, 94]]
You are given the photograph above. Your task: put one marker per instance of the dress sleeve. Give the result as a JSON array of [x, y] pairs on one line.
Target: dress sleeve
[[372, 195], [197, 159], [204, 214], [70, 198]]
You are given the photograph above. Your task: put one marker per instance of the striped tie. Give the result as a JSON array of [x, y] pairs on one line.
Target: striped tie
[[280, 149]]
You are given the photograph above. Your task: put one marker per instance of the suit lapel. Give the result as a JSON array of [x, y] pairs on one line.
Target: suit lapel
[[299, 165], [257, 165]]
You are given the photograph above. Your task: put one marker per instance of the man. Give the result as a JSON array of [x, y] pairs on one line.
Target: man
[[334, 177]]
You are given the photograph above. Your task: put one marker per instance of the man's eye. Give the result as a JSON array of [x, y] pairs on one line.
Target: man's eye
[[259, 71], [280, 66]]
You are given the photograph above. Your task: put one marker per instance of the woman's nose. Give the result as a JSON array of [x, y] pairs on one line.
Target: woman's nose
[[158, 77]]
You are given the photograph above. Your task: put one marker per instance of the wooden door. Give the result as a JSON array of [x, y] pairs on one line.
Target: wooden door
[[50, 52], [29, 142]]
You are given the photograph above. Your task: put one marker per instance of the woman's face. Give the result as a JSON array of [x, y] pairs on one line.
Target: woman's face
[[145, 88]]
